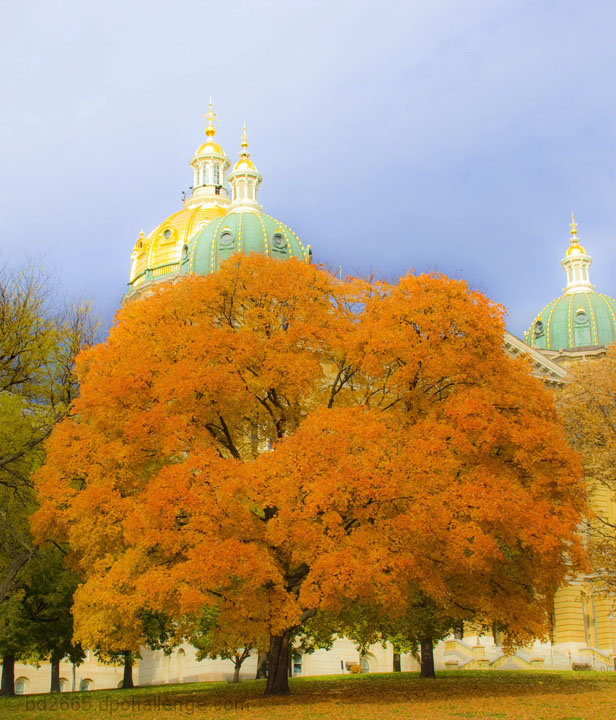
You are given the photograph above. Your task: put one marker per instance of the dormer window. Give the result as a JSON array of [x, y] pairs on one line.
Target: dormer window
[[226, 239], [580, 316], [279, 241], [168, 235]]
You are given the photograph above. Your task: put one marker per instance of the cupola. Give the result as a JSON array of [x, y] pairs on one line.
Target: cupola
[[244, 180], [576, 264], [210, 166]]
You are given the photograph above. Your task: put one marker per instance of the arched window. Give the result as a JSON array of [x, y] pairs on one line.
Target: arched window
[[365, 664], [181, 661], [206, 173], [63, 685], [22, 685], [297, 663], [216, 174], [86, 684]]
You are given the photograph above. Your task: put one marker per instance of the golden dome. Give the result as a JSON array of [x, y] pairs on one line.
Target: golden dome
[[209, 148], [160, 252], [244, 163], [576, 249]]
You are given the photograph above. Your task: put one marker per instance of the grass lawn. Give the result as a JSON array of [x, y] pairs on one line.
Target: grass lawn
[[521, 695]]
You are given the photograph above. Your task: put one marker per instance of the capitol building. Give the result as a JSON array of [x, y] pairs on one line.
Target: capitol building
[[221, 216]]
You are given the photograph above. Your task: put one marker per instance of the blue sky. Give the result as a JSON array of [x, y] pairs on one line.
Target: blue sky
[[433, 135]]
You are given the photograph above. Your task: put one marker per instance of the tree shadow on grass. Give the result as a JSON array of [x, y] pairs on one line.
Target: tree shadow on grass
[[396, 688], [380, 690], [405, 687]]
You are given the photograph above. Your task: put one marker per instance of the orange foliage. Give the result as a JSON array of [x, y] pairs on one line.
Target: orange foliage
[[271, 440]]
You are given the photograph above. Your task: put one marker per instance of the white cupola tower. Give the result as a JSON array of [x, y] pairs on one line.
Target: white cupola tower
[[210, 166], [244, 180], [576, 264]]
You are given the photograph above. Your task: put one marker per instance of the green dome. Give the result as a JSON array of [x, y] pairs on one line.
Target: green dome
[[246, 232], [577, 320]]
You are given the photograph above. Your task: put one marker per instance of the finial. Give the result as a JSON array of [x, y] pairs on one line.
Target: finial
[[210, 116], [573, 226], [244, 143]]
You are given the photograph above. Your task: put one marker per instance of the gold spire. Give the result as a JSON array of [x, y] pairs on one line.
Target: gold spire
[[574, 244], [210, 116], [244, 163]]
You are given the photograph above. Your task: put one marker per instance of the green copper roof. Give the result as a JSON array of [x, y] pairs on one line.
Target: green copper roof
[[239, 232], [578, 320]]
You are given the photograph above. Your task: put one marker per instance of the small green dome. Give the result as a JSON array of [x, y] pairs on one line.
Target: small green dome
[[576, 320], [239, 231]]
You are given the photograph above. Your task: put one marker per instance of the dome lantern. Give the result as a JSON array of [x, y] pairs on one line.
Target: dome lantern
[[244, 180], [576, 264], [210, 166]]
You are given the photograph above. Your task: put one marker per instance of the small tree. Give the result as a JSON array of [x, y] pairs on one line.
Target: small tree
[[50, 589], [415, 629], [35, 621], [17, 641], [39, 338], [215, 640]]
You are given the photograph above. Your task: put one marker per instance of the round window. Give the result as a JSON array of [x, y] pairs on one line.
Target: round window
[[580, 316], [184, 250], [167, 234], [538, 328], [226, 239], [279, 241]]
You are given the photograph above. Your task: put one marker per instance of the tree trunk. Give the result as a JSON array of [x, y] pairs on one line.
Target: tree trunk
[[261, 665], [397, 664], [127, 680], [427, 658], [55, 676], [236, 673], [278, 665], [7, 688]]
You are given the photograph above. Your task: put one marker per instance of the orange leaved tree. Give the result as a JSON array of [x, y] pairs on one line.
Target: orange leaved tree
[[274, 442]]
